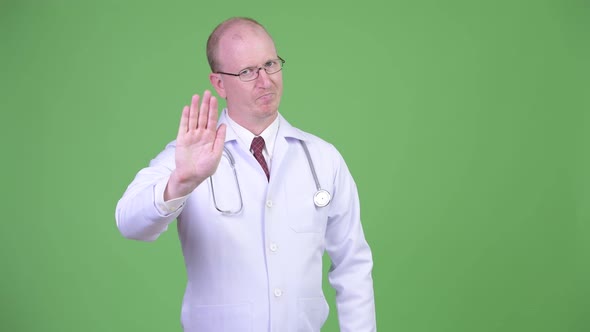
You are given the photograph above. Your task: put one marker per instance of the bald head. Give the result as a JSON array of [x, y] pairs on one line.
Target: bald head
[[234, 27]]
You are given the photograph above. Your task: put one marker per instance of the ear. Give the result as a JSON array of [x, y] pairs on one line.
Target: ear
[[217, 83]]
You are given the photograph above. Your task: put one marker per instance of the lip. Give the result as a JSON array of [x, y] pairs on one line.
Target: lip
[[266, 96]]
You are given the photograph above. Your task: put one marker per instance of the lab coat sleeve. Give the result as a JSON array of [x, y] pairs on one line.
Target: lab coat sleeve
[[138, 215], [352, 263]]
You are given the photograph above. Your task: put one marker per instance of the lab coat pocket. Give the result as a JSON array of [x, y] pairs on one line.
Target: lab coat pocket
[[219, 318], [311, 314], [305, 217]]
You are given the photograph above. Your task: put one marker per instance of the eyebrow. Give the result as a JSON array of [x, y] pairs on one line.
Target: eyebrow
[[256, 66]]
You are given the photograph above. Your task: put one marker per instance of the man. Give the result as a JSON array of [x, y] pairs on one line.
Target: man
[[253, 240]]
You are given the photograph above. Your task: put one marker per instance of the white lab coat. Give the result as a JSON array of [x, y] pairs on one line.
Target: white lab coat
[[261, 270]]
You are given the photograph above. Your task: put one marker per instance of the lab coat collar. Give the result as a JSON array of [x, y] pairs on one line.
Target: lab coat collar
[[282, 145]]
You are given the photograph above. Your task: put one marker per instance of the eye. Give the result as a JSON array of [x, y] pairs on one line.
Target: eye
[[270, 63], [246, 72]]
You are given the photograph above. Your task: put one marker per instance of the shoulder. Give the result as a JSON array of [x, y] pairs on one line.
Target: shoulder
[[323, 153], [313, 142], [166, 156], [327, 160]]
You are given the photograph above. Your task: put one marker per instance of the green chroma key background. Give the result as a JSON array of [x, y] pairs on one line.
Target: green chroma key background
[[464, 123]]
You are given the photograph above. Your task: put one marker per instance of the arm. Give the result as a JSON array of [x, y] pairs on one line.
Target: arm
[[352, 263], [175, 173]]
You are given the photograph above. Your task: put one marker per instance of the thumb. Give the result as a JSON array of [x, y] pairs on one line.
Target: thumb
[[219, 140]]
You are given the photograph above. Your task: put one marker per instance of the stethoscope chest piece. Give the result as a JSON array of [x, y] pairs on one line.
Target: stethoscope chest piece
[[322, 198]]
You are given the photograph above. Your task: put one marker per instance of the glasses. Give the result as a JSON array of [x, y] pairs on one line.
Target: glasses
[[251, 73]]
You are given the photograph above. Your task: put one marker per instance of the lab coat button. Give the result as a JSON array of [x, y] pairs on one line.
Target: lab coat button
[[273, 247], [278, 292], [269, 203]]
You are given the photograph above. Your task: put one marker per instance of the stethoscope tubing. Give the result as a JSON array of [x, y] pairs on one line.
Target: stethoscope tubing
[[232, 163], [321, 198]]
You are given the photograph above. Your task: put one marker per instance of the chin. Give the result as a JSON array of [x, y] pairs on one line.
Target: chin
[[269, 108], [268, 112]]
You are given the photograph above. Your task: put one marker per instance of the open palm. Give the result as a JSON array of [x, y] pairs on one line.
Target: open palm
[[199, 145]]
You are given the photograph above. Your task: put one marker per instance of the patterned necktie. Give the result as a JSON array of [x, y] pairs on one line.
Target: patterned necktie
[[256, 147]]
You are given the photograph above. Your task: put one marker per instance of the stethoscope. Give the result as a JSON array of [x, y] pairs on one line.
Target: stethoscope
[[321, 198]]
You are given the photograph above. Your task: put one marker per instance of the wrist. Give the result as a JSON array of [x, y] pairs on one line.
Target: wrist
[[178, 186]]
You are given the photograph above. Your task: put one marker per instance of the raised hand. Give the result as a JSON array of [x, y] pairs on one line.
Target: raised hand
[[199, 146]]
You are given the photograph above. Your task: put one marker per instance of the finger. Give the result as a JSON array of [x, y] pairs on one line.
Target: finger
[[193, 121], [212, 121], [219, 140], [183, 127], [204, 111]]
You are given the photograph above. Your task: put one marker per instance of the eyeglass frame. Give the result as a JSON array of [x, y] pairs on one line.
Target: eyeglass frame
[[282, 62]]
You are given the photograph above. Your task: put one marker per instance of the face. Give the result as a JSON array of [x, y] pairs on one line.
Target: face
[[256, 102]]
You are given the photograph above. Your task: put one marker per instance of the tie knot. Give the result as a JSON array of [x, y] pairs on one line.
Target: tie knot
[[257, 144]]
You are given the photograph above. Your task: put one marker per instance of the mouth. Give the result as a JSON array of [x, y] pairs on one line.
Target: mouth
[[266, 97]]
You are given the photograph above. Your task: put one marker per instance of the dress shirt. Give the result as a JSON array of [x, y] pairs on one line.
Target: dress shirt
[[245, 137]]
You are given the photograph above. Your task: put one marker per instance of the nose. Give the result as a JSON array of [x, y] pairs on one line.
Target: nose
[[263, 79]]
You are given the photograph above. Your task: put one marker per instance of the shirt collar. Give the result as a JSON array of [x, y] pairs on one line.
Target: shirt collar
[[245, 137]]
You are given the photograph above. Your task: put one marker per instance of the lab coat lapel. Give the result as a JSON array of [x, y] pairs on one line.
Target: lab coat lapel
[[230, 135], [232, 142], [287, 136]]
